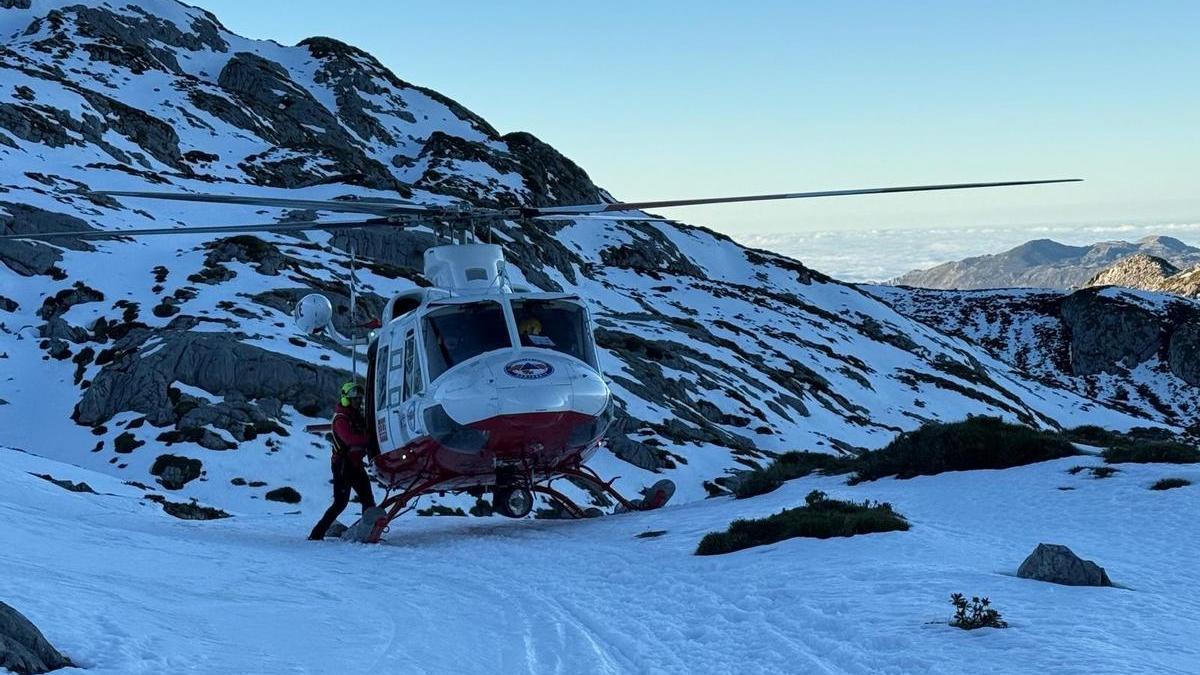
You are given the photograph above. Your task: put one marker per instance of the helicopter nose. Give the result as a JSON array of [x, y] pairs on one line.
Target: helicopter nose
[[508, 384]]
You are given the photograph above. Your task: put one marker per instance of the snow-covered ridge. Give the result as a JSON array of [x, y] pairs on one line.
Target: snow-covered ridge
[[118, 352]]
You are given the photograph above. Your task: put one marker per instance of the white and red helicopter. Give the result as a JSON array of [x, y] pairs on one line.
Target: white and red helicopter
[[475, 385]]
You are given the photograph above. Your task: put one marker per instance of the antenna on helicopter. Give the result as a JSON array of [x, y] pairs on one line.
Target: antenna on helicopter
[[353, 310]]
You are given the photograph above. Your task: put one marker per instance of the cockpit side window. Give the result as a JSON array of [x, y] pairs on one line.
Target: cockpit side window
[[555, 324], [455, 333], [413, 382]]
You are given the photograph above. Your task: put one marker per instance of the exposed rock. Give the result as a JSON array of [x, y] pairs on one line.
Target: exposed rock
[[550, 177], [23, 648], [1107, 335], [1148, 273], [1185, 283], [1184, 352], [285, 494], [215, 362], [1137, 271], [70, 486], [29, 258], [295, 121], [1059, 565], [174, 471]]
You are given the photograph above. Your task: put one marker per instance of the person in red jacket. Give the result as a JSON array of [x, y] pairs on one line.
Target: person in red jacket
[[350, 442]]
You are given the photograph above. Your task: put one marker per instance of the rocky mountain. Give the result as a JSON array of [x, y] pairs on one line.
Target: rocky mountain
[[1150, 274], [172, 363], [1044, 263], [1130, 350]]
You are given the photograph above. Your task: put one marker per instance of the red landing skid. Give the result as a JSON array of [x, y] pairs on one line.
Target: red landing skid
[[655, 497]]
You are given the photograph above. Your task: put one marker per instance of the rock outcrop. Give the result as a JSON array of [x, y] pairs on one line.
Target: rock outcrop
[[1137, 271], [1148, 273], [23, 648], [1108, 335], [1057, 564]]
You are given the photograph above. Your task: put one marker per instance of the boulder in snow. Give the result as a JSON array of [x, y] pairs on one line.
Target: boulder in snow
[[23, 648], [1057, 564]]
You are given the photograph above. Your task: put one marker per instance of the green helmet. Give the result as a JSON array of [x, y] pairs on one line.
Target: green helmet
[[350, 390]]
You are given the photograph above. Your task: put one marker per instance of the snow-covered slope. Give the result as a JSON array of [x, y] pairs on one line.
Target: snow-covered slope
[[118, 353], [246, 595], [1127, 349]]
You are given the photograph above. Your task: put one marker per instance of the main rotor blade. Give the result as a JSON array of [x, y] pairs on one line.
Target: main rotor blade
[[588, 216], [628, 206], [376, 207], [265, 227]]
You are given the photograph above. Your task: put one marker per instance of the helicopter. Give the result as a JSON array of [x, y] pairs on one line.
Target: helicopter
[[475, 385]]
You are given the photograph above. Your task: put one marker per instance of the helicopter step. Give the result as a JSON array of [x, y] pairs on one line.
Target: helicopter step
[[369, 528]]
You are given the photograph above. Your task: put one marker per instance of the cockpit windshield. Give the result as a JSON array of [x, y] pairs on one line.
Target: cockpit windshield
[[456, 333], [555, 324]]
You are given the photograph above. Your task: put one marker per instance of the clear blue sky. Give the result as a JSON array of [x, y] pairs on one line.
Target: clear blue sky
[[681, 99]]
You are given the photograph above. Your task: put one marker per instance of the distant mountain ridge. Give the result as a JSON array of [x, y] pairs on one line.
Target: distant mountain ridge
[[1044, 263], [1148, 273]]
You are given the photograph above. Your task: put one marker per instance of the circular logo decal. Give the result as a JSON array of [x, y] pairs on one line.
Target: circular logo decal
[[528, 369]]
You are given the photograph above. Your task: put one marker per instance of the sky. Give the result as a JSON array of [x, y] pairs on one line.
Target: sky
[[684, 99]]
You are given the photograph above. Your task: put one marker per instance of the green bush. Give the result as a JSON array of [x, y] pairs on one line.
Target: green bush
[[1170, 484], [974, 443], [978, 613], [820, 518], [1165, 452], [788, 466]]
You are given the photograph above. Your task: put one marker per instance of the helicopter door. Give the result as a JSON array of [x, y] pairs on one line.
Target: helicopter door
[[383, 430], [392, 389]]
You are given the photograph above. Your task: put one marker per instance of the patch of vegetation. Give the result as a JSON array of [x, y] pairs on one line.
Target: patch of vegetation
[[973, 443], [285, 494], [1148, 452], [482, 508], [650, 534], [1103, 471], [820, 518], [188, 510], [978, 613], [1170, 484], [788, 466]]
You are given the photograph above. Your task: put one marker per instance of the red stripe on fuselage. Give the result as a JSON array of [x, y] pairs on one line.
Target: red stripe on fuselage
[[539, 441]]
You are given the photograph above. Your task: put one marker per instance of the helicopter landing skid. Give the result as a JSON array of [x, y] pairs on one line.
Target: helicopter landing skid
[[656, 496]]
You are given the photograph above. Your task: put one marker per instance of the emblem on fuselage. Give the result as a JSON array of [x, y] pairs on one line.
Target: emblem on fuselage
[[528, 369]]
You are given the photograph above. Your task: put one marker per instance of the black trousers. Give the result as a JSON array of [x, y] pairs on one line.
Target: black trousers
[[348, 474]]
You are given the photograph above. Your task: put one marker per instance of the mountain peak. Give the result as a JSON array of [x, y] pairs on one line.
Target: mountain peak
[[1045, 263]]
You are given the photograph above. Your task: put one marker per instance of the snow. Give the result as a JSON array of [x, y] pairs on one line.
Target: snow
[[123, 588]]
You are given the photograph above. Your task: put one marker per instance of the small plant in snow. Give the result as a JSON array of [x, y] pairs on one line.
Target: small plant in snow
[[977, 613]]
